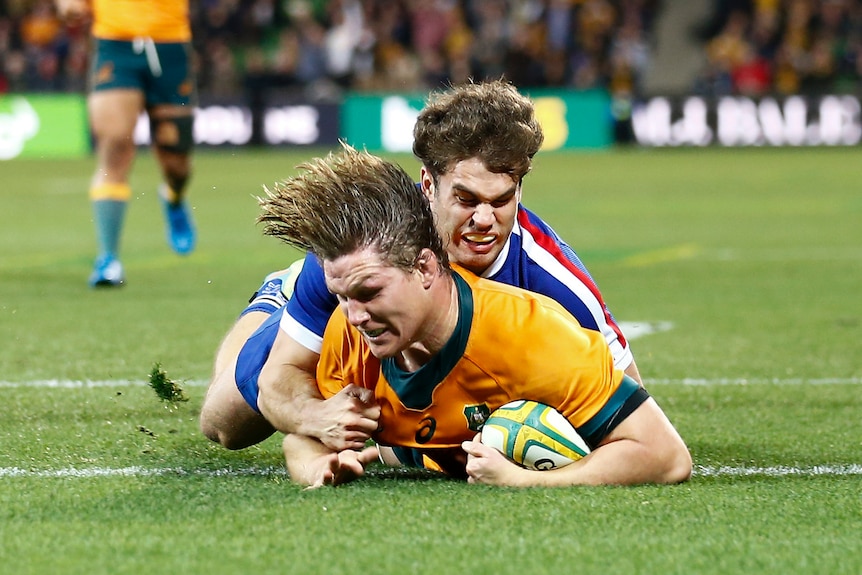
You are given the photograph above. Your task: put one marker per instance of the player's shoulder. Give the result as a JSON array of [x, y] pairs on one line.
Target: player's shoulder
[[549, 255], [537, 235], [513, 330], [490, 296], [532, 221]]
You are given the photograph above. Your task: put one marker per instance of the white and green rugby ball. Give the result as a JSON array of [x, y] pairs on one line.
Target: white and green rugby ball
[[533, 435]]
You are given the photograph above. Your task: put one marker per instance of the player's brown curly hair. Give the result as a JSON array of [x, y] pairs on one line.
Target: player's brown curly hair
[[489, 120]]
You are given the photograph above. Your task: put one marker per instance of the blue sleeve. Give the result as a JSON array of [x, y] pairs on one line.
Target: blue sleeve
[[311, 303]]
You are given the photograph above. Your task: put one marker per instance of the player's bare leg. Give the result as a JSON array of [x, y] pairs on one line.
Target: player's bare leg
[[225, 417], [172, 142], [113, 114]]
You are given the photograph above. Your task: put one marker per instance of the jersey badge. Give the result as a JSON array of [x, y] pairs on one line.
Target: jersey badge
[[476, 416]]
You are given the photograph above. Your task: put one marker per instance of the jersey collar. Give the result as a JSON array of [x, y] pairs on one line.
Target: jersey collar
[[415, 389]]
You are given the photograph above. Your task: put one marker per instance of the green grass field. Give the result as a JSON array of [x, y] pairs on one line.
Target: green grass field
[[747, 264]]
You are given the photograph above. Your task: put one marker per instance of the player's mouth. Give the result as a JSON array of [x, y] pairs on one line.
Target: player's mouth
[[373, 334], [479, 242]]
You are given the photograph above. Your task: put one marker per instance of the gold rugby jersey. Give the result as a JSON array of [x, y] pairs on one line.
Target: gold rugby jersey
[[159, 20], [508, 344]]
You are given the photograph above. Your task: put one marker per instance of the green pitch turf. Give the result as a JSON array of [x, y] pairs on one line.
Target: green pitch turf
[[746, 265]]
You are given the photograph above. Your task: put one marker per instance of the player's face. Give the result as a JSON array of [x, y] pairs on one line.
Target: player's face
[[474, 211], [385, 303]]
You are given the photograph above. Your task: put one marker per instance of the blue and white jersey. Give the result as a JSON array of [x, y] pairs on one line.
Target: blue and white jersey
[[534, 258]]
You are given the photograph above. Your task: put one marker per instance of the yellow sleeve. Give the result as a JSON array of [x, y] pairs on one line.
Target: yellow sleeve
[[330, 367], [345, 359]]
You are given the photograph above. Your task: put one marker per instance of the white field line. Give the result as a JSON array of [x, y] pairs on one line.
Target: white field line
[[757, 381], [778, 471], [82, 384], [87, 383], [135, 471]]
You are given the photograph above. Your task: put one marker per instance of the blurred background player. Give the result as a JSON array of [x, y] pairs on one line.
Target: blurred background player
[[141, 60], [428, 344], [476, 143]]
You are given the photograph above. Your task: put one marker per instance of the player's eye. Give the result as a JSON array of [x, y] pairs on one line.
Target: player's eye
[[365, 295]]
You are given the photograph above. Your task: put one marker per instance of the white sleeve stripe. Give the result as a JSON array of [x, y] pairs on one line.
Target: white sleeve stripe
[[300, 333], [561, 273], [622, 355]]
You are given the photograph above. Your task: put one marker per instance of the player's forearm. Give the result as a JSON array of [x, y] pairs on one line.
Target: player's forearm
[[288, 397], [654, 453], [291, 401], [643, 448], [623, 462]]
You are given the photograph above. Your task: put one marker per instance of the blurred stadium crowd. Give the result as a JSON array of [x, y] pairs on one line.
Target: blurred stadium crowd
[[321, 47], [759, 47]]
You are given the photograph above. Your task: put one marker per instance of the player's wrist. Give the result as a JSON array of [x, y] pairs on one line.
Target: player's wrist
[[312, 420]]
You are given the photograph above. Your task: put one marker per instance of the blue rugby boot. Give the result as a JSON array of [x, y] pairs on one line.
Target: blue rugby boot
[[180, 228], [107, 272]]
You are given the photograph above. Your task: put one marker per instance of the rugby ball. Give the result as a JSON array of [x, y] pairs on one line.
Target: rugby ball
[[533, 435]]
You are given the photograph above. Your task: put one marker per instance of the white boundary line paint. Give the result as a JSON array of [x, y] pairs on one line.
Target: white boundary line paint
[[136, 471], [757, 381], [87, 384], [779, 471]]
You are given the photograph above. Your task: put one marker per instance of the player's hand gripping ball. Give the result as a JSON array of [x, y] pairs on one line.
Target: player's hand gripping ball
[[533, 435]]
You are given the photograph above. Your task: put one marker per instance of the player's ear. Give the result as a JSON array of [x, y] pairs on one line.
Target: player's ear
[[427, 266], [426, 183]]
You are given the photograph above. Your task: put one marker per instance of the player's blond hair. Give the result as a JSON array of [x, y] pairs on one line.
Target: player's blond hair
[[489, 120], [349, 201]]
